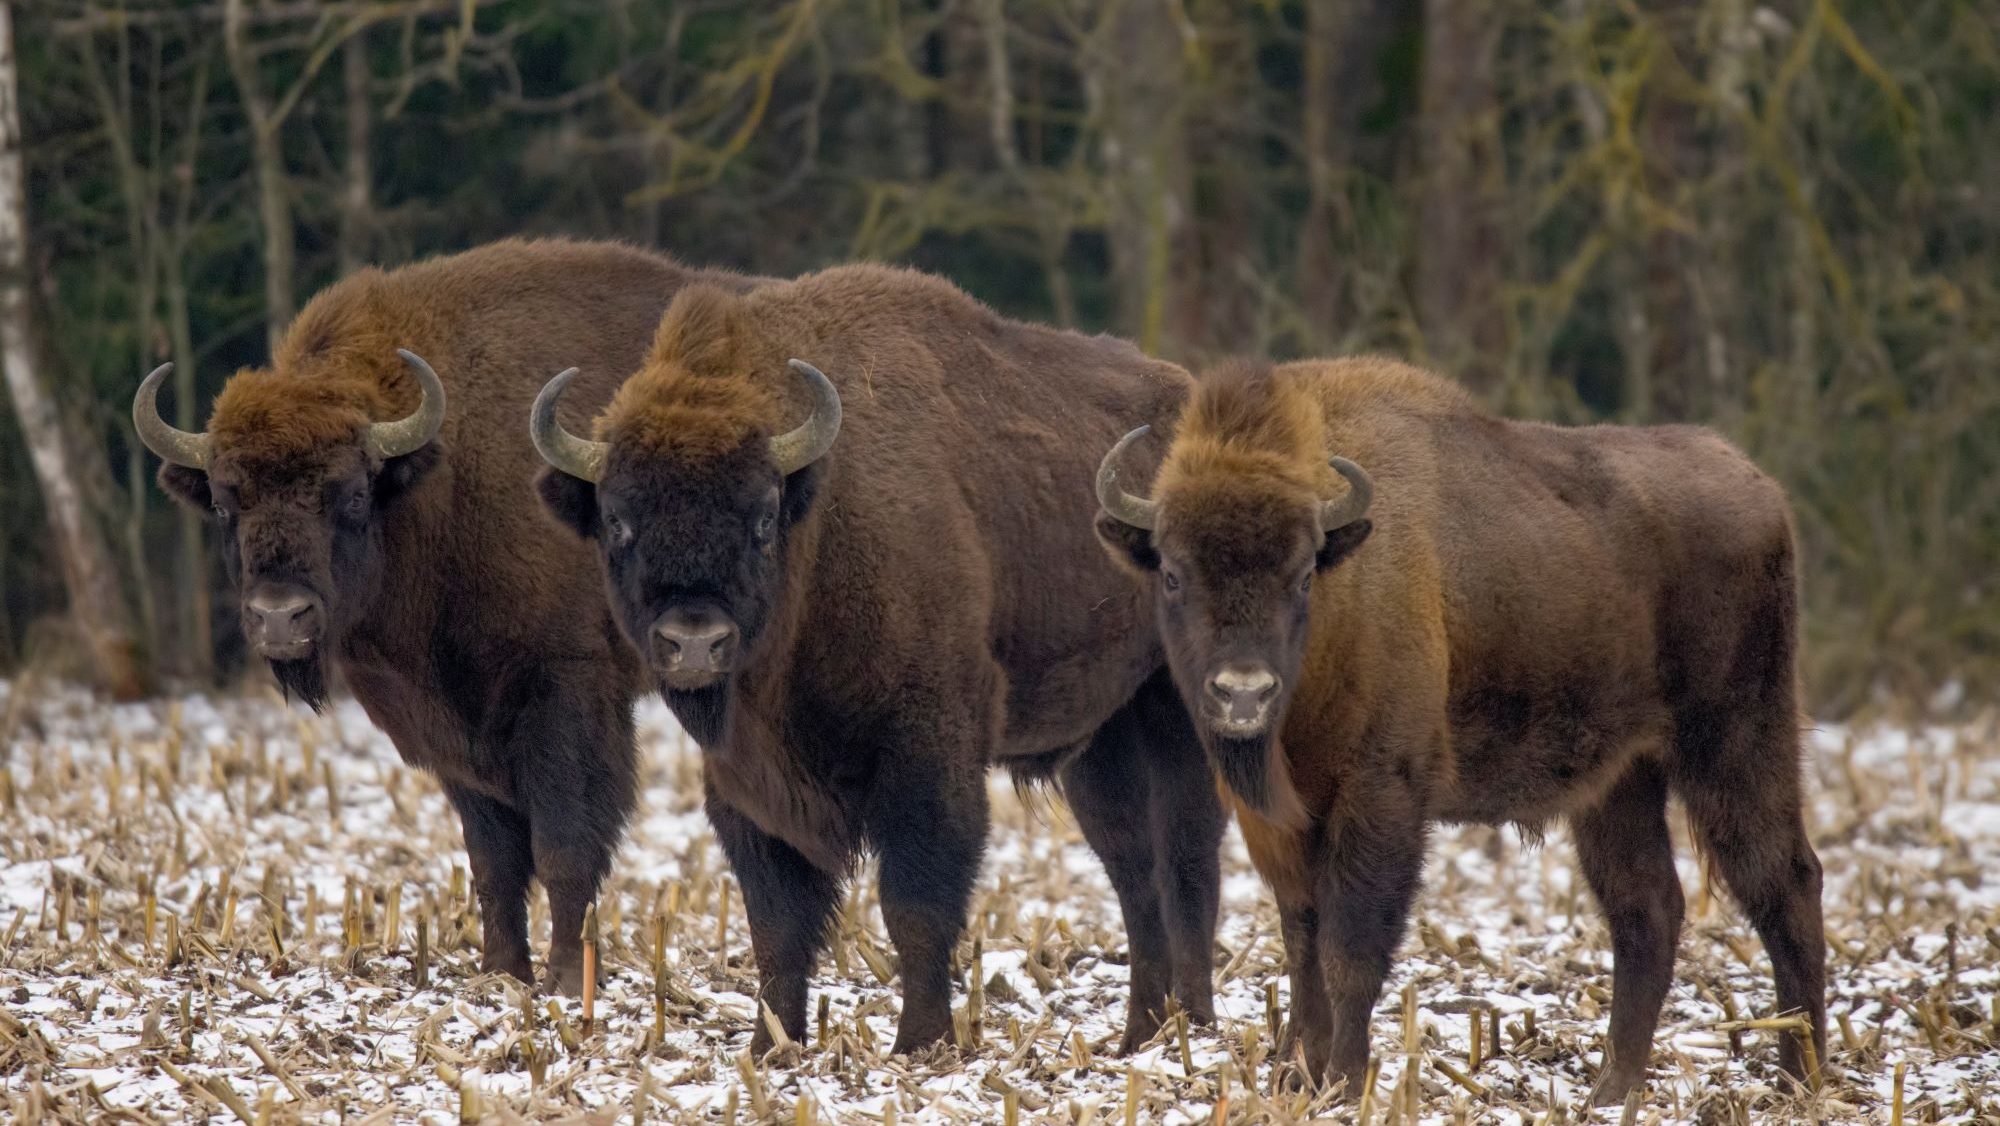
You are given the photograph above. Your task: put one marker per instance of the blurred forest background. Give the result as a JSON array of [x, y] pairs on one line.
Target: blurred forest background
[[1781, 220]]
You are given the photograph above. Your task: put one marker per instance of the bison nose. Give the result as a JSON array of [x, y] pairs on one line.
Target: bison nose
[[693, 651], [1241, 695], [283, 622]]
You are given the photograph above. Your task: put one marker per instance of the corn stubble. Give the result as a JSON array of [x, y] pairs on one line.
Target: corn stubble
[[224, 908]]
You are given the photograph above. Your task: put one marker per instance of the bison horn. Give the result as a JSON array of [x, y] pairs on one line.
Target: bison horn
[[567, 452], [1136, 511], [1360, 493], [172, 444], [808, 442], [408, 435]]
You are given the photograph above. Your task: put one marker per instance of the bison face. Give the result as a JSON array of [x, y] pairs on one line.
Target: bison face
[[692, 521], [297, 480], [1232, 559], [694, 558]]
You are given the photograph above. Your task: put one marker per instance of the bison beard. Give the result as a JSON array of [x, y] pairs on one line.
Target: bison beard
[[304, 679], [702, 711]]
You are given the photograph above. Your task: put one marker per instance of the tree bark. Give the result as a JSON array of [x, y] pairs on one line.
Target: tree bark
[[1458, 240], [1343, 42], [267, 158], [357, 208], [1139, 81], [96, 603], [136, 186]]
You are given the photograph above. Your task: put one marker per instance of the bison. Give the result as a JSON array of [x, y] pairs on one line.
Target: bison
[[376, 515], [1494, 622], [859, 589]]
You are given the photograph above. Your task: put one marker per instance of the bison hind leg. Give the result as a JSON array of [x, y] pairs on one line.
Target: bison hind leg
[[1738, 774], [1627, 856]]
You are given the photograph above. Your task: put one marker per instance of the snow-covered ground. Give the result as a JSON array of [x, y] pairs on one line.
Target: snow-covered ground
[[209, 908]]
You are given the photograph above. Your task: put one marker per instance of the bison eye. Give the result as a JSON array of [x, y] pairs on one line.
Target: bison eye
[[1306, 584], [620, 534], [357, 505], [766, 524], [1170, 580]]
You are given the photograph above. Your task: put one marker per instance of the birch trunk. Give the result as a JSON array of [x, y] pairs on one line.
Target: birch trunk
[[97, 604], [357, 206]]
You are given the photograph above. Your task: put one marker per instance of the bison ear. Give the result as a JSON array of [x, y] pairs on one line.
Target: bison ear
[[704, 330], [1130, 546], [400, 474], [188, 486], [800, 489], [1341, 542], [571, 500]]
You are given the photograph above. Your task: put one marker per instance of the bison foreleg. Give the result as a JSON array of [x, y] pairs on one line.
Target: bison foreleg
[[926, 819], [1628, 858], [577, 769], [496, 841], [1308, 1033], [791, 905], [1368, 881]]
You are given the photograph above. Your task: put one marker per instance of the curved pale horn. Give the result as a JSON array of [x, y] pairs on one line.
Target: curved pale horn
[[808, 442], [1136, 511], [1360, 494], [174, 445], [575, 456], [407, 435]]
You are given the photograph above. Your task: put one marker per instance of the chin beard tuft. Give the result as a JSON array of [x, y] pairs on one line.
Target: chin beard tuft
[[702, 712], [304, 679], [1256, 771]]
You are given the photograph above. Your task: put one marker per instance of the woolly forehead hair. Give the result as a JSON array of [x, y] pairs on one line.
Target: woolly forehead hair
[[265, 415], [335, 371], [668, 411], [1248, 421]]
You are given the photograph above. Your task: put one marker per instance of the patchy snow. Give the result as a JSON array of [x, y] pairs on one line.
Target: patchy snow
[[189, 887]]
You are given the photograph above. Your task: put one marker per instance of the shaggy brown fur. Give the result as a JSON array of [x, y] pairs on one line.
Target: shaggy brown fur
[[472, 631], [924, 600], [1532, 622]]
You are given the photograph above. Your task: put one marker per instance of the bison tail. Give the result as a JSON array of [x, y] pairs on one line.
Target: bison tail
[[1259, 776]]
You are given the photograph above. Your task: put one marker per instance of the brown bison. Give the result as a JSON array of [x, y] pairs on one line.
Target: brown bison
[[857, 590], [376, 514], [1527, 623]]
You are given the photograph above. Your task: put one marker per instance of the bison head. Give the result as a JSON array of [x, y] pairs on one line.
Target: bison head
[[692, 494], [1233, 543], [297, 476]]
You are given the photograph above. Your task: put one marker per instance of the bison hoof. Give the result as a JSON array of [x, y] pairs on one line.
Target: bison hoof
[[920, 1043], [565, 979], [1613, 1087], [515, 966]]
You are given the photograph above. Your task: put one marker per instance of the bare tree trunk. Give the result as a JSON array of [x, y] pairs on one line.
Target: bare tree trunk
[[195, 569], [267, 158], [1458, 240], [1342, 41], [1138, 78], [357, 218], [136, 186], [96, 602]]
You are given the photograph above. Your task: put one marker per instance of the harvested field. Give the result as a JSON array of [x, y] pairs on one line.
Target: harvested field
[[221, 908]]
